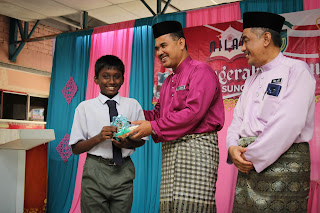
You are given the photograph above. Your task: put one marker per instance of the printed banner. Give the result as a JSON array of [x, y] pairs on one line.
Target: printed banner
[[220, 46]]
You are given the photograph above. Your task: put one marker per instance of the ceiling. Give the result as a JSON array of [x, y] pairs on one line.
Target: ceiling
[[66, 15]]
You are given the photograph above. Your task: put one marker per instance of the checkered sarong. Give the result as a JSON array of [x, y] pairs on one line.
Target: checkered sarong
[[189, 174]]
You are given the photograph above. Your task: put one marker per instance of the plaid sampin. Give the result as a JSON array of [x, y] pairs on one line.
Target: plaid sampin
[[189, 173]]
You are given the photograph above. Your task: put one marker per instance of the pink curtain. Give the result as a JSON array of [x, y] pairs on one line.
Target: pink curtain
[[311, 4], [118, 43], [314, 199], [314, 195], [114, 27], [315, 144], [213, 15], [113, 39], [227, 174]]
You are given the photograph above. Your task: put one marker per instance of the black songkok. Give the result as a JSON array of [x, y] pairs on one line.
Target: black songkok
[[263, 19], [166, 27]]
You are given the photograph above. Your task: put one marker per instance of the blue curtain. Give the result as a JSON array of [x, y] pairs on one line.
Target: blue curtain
[[147, 159], [272, 6], [71, 58]]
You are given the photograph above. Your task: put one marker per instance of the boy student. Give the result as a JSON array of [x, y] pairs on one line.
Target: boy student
[[108, 173]]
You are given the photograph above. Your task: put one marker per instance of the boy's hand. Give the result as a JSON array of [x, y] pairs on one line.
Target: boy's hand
[[144, 129], [106, 133], [123, 143], [127, 143]]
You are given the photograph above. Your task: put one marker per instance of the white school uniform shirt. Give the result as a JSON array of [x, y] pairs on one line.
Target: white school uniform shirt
[[91, 115], [277, 121]]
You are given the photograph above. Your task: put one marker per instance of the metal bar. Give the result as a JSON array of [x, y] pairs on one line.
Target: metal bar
[[13, 34], [66, 21], [149, 8], [165, 7], [84, 19], [173, 7], [16, 52], [33, 28], [158, 7], [42, 38], [26, 29], [13, 57], [20, 29]]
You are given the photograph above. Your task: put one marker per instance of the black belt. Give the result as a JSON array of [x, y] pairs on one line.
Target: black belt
[[109, 162]]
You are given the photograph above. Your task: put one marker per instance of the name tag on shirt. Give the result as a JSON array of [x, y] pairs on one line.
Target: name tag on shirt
[[181, 88], [276, 81]]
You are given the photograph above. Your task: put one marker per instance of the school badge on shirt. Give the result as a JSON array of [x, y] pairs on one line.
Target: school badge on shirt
[[273, 89]]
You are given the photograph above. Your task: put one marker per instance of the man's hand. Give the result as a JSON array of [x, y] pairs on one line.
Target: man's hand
[[236, 154], [144, 129], [106, 133]]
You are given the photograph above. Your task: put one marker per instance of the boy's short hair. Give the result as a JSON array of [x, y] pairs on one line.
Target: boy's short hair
[[108, 62]]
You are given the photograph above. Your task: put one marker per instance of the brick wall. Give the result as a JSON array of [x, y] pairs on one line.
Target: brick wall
[[36, 55], [45, 46]]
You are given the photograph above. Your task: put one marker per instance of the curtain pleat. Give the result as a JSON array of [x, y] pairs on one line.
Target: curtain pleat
[[70, 68], [213, 15], [272, 6], [311, 4]]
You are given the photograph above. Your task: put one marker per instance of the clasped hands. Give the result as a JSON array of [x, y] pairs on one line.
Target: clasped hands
[[237, 155]]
